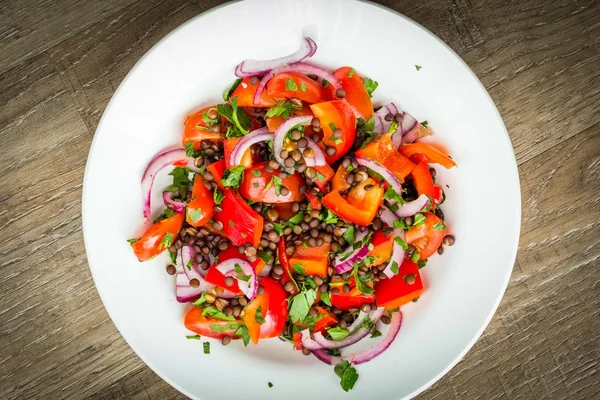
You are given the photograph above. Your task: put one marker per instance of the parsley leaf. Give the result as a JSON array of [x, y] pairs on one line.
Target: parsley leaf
[[394, 268], [401, 242], [166, 241], [349, 236], [278, 185], [415, 257], [328, 217], [201, 300], [218, 196], [213, 312], [418, 67], [189, 150], [291, 85], [278, 228], [284, 109], [258, 317], [132, 241], [298, 269], [194, 337], [326, 298], [235, 115], [422, 263], [181, 180], [418, 219], [439, 227], [231, 89], [196, 215], [348, 375], [270, 384], [392, 195], [296, 219], [425, 123], [351, 73], [300, 305], [303, 87], [375, 334], [324, 83], [338, 333], [370, 85], [264, 255], [360, 280], [206, 346], [233, 176], [243, 332], [256, 173]]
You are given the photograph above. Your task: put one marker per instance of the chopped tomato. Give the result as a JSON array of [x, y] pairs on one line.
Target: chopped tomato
[[382, 248], [432, 154], [214, 276], [336, 114], [368, 200], [241, 224], [260, 185], [356, 94], [384, 152], [314, 201], [209, 327], [284, 210], [196, 129], [427, 237], [393, 292], [311, 261], [158, 237], [272, 306], [324, 175], [339, 180], [289, 84], [201, 206], [274, 122], [324, 319], [353, 299], [217, 169], [245, 95], [228, 146], [423, 180], [341, 207]]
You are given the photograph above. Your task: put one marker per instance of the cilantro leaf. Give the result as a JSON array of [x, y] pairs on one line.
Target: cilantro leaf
[[401, 242], [338, 333], [370, 85], [194, 337], [264, 255], [326, 298], [256, 173], [278, 184], [233, 176], [298, 269], [235, 115], [291, 85], [300, 305], [284, 109], [349, 236], [258, 317], [415, 257], [303, 87], [439, 227], [418, 219], [181, 180], [328, 216], [297, 219], [324, 83], [218, 196], [243, 332], [231, 89], [348, 375], [166, 241], [213, 312], [351, 73], [418, 67], [206, 346], [395, 267], [425, 123], [196, 215]]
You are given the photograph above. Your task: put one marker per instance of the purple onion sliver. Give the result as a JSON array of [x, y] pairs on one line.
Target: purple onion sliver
[[176, 205], [249, 287], [309, 343], [380, 347], [256, 136], [383, 171], [348, 263], [318, 160], [282, 130], [411, 208]]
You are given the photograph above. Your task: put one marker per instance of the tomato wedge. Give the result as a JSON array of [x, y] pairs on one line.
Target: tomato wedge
[[423, 180], [324, 175], [241, 224], [356, 94], [260, 185], [353, 299], [311, 261], [201, 205], [369, 200], [228, 146], [290, 84], [158, 237], [384, 152], [272, 306], [274, 122], [393, 292], [315, 203], [209, 327], [432, 154], [341, 207], [339, 180], [196, 129], [245, 95], [217, 169], [336, 114], [382, 248], [427, 238]]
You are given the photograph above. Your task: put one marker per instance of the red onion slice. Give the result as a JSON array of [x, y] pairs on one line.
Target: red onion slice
[[309, 343], [159, 162], [370, 354], [381, 125], [256, 136], [384, 172], [250, 286], [354, 337], [411, 208], [176, 205], [266, 270], [247, 68], [318, 160], [282, 130], [388, 218], [301, 68], [190, 266], [415, 133], [184, 292], [408, 123], [347, 263]]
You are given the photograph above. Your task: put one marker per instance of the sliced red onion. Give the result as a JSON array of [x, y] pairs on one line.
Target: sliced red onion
[[249, 287], [282, 130], [411, 208], [185, 292], [352, 338], [268, 327], [248, 68], [381, 125], [358, 321], [301, 68], [415, 133], [318, 159], [266, 270], [256, 136], [176, 205], [348, 262], [309, 343], [407, 125], [383, 171], [190, 266], [388, 218], [370, 354], [159, 162]]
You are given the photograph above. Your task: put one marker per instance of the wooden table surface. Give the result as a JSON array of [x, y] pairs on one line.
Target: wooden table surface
[[60, 63]]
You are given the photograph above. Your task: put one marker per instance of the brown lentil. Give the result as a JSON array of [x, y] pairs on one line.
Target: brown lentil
[[229, 281], [194, 282], [448, 240], [385, 319], [341, 93], [171, 269]]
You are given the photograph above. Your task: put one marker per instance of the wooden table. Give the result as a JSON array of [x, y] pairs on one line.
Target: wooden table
[[60, 63]]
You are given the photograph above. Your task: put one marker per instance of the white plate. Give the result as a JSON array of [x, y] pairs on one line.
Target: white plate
[[189, 69]]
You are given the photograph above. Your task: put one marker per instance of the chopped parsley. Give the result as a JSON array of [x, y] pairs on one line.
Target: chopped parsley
[[422, 263], [231, 89], [415, 257], [418, 219], [349, 236], [284, 109], [181, 180], [218, 196], [194, 337], [425, 123], [348, 375], [370, 85], [328, 216], [258, 317], [351, 73], [324, 83], [132, 241], [298, 269], [326, 298], [232, 177], [291, 85], [213, 312], [338, 333], [237, 116], [439, 227], [243, 332], [300, 304], [418, 67], [303, 87], [196, 215], [401, 242], [270, 384], [392, 195], [166, 241], [375, 334], [206, 346], [395, 268], [265, 256]]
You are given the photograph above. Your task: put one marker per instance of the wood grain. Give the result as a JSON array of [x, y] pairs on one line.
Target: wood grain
[[61, 62]]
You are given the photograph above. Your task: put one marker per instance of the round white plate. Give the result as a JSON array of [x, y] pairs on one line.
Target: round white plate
[[188, 70]]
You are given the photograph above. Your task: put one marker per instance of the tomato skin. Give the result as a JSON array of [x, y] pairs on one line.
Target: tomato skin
[[367, 200], [339, 180], [339, 114], [228, 146], [274, 122], [432, 154], [195, 322], [217, 169], [393, 292], [195, 135], [324, 175], [314, 201], [253, 186], [384, 152], [356, 94], [353, 299], [277, 88], [313, 260], [241, 224], [425, 237], [245, 95], [148, 246], [273, 308], [201, 202], [382, 248], [341, 207]]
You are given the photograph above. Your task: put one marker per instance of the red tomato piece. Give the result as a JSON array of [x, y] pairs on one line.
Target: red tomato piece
[[217, 169], [158, 237], [314, 201], [356, 94], [258, 185], [382, 248], [195, 322], [241, 224], [228, 146], [272, 305], [274, 122], [341, 207], [215, 277], [324, 175], [393, 292], [201, 205], [290, 84], [423, 180], [336, 114], [195, 129], [426, 238], [339, 180], [369, 200], [432, 154], [245, 95], [384, 152], [311, 260], [353, 299]]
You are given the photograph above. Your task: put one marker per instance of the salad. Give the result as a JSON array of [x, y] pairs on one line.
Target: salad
[[298, 210]]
